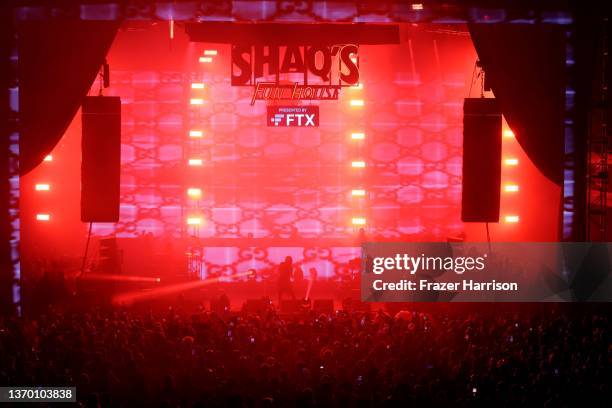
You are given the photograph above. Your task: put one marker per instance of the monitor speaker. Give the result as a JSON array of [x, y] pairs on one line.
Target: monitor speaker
[[323, 306], [256, 306], [293, 306]]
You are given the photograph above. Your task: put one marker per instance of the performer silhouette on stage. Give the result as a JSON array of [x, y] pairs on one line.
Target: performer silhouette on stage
[[298, 280], [285, 270], [313, 277]]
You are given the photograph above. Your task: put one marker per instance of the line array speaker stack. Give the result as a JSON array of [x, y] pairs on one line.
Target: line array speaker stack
[[482, 143], [101, 159]]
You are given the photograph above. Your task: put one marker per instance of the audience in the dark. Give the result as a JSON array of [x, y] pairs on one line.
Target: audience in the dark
[[130, 358]]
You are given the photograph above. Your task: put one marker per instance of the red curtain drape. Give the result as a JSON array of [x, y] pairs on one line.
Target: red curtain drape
[[58, 61]]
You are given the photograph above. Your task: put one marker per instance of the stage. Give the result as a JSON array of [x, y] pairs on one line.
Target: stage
[[207, 186]]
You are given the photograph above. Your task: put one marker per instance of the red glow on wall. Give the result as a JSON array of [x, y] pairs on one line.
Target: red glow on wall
[[258, 182]]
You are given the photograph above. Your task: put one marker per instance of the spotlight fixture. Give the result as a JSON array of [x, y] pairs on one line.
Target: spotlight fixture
[[511, 219], [194, 221], [511, 161], [194, 192], [511, 188], [358, 221]]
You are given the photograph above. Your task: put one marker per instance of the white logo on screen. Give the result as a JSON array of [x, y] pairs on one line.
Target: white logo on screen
[[299, 119]]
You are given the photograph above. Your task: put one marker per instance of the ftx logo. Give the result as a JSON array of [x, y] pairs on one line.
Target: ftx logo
[[298, 116], [293, 119]]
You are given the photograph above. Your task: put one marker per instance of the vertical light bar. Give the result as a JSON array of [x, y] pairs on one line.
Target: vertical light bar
[[10, 102], [572, 225]]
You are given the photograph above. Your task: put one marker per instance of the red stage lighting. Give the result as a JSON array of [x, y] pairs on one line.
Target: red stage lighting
[[511, 188], [117, 278], [512, 219], [511, 161], [358, 221], [194, 221], [135, 296], [194, 192]]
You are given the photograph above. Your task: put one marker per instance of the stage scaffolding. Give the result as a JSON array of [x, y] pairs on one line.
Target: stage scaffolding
[[599, 147]]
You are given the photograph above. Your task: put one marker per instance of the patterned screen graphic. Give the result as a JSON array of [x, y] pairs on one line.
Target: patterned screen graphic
[[152, 165], [251, 181]]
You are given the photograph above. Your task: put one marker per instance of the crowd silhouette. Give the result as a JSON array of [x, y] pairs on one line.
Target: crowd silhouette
[[180, 358]]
